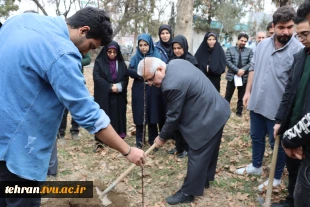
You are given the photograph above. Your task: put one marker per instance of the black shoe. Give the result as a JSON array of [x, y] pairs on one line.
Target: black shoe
[[283, 203], [98, 145], [182, 154], [172, 151], [155, 149], [239, 114], [207, 185], [179, 197]]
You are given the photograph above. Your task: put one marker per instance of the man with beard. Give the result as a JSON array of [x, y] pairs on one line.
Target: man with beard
[[238, 63], [270, 68]]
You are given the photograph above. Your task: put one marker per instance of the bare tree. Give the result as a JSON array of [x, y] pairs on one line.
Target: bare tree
[[66, 4]]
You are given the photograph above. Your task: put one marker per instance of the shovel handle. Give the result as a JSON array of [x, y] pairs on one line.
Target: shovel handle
[[272, 170], [122, 176]]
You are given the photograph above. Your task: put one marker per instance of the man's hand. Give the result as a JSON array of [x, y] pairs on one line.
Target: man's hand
[[114, 88], [276, 129], [246, 99], [136, 156], [240, 72], [159, 142], [294, 153]]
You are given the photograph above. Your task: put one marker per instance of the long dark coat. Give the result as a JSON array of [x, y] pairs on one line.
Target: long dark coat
[[155, 111], [114, 104]]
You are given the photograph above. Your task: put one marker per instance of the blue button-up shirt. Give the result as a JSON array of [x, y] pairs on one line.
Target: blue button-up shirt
[[40, 75], [271, 68]]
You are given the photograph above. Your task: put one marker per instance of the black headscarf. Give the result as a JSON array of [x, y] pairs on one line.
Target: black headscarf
[[166, 45], [214, 57], [186, 55]]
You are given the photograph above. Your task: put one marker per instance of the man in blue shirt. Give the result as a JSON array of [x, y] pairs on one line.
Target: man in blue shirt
[[40, 76]]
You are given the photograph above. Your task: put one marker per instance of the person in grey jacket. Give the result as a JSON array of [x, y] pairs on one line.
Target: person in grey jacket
[[198, 111], [238, 63]]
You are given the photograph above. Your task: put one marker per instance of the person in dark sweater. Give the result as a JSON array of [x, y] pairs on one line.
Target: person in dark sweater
[[293, 118]]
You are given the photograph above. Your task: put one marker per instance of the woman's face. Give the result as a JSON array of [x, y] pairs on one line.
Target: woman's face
[[178, 49], [112, 53], [211, 41], [143, 46], [165, 35]]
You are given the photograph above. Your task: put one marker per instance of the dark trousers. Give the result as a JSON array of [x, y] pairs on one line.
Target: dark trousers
[[53, 165], [180, 142], [292, 166], [230, 89], [6, 175], [201, 166], [216, 81], [152, 131], [302, 188], [63, 125]]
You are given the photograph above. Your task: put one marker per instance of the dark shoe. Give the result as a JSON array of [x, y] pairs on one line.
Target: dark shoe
[[182, 154], [283, 203], [172, 151], [98, 145], [155, 149], [75, 136], [179, 197], [239, 114], [207, 185]]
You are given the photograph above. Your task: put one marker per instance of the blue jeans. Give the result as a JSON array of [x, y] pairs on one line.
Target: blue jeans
[[260, 126]]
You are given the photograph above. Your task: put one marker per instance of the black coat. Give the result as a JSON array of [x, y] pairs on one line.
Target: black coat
[[114, 104], [285, 109]]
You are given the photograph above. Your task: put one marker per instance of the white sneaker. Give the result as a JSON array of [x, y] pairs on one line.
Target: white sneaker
[[249, 169], [276, 182]]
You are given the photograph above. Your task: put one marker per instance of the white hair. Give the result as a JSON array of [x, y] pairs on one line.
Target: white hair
[[151, 63]]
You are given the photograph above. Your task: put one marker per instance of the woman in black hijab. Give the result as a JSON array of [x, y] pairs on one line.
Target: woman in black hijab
[[180, 50], [164, 45], [211, 59], [110, 86]]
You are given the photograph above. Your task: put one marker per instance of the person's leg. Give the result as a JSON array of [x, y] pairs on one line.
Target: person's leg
[[74, 129], [53, 165], [139, 135], [216, 81], [153, 133], [258, 134], [6, 175], [302, 188], [230, 88], [241, 91], [292, 166], [281, 154], [214, 158], [63, 125], [200, 166]]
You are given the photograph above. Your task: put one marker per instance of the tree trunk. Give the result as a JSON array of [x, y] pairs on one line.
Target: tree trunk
[[184, 20]]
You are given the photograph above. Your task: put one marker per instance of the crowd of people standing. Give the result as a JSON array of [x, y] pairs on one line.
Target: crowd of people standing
[[174, 93]]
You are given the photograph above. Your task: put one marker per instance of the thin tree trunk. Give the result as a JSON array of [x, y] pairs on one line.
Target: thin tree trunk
[[40, 7]]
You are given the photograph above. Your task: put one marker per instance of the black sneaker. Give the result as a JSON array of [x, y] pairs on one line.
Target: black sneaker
[[179, 197], [239, 114], [182, 154], [172, 151]]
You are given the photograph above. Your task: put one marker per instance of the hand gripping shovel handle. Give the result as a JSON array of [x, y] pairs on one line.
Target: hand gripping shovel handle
[[272, 170], [122, 176]]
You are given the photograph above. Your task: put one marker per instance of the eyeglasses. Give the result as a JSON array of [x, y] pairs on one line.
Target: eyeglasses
[[151, 79], [302, 35], [112, 52]]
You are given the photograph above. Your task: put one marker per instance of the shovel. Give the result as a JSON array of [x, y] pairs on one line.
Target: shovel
[[103, 194], [267, 202]]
